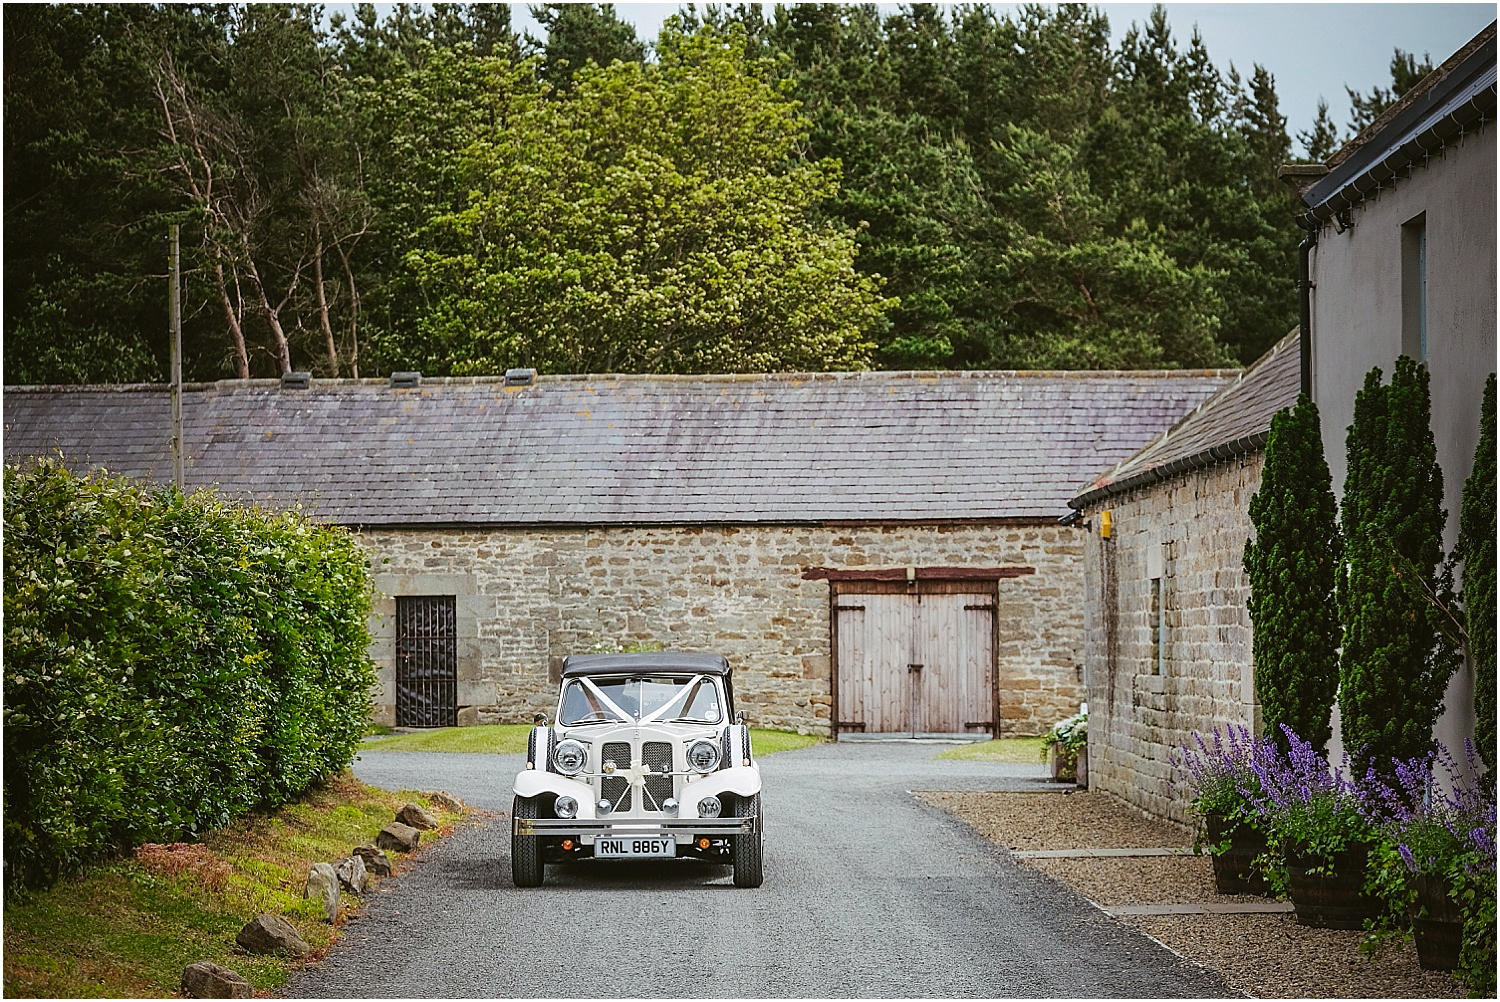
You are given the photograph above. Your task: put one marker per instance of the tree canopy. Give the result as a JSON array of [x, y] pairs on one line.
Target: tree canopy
[[651, 218], [821, 186]]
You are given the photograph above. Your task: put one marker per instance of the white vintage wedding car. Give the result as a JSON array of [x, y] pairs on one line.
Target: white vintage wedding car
[[645, 760]]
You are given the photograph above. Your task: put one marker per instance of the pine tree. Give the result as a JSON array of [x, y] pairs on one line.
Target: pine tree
[[1292, 564], [1392, 672], [1406, 73], [1476, 547], [1323, 138], [583, 33]]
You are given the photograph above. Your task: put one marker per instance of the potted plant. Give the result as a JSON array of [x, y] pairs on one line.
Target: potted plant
[[1318, 827], [1066, 744], [1218, 771], [1440, 838]]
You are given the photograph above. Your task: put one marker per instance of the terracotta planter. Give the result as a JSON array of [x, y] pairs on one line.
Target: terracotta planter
[[1331, 900], [1234, 868], [1437, 924]]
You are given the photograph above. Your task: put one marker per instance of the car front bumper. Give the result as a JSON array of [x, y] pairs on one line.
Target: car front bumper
[[679, 829]]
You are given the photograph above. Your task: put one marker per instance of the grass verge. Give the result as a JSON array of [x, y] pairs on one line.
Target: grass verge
[[510, 739], [127, 928], [770, 742], [1022, 750], [481, 739]]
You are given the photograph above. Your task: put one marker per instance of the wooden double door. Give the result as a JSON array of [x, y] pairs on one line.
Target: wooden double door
[[915, 659]]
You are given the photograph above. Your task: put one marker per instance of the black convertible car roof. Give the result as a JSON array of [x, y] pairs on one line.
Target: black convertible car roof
[[614, 664]]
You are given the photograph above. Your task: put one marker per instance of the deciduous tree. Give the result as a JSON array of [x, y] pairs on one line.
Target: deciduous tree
[[650, 219]]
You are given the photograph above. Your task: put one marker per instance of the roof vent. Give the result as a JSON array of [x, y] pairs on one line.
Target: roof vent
[[520, 377], [406, 380], [296, 380]]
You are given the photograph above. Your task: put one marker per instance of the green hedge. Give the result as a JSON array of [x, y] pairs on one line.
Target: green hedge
[[170, 663]]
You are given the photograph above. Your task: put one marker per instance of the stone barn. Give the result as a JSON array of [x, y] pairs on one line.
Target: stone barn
[[1167, 638], [875, 552]]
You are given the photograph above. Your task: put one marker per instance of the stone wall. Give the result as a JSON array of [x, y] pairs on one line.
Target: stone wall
[[526, 598], [1144, 701]]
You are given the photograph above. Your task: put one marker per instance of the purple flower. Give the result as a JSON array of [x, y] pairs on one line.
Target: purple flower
[[1214, 769], [1439, 816], [1300, 800]]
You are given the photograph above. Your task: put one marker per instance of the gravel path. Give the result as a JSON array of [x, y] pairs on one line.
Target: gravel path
[[1268, 956], [870, 892]]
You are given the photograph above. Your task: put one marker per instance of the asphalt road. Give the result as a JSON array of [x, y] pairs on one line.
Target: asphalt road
[[868, 893]]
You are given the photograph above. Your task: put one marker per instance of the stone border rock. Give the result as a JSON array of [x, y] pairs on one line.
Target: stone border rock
[[207, 980], [271, 934]]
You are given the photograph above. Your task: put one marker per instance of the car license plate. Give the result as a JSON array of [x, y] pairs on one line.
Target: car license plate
[[634, 847]]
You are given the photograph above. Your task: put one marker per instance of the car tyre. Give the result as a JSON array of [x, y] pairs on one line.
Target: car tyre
[[747, 848], [526, 866]]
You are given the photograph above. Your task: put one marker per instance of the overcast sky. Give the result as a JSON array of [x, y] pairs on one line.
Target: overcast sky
[[1312, 49]]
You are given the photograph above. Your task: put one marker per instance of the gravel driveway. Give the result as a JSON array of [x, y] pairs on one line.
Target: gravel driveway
[[869, 892]]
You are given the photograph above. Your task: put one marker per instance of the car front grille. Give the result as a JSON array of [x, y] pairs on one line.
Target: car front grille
[[660, 784], [657, 756], [616, 789]]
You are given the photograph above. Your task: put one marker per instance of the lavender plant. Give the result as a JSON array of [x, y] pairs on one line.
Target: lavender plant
[[1440, 828], [1216, 770], [1446, 831], [1309, 809]]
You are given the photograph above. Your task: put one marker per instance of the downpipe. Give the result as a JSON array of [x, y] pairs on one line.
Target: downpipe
[[1304, 300]]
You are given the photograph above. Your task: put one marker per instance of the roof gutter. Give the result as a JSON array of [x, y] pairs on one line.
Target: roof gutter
[[1166, 471], [1362, 175], [1393, 166]]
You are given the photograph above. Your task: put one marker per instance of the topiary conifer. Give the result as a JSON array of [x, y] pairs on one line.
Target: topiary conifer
[[1392, 673], [1476, 547], [1292, 564]]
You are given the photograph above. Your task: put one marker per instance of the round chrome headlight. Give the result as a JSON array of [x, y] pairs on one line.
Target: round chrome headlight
[[709, 807], [703, 755], [570, 757], [566, 807], [603, 808]]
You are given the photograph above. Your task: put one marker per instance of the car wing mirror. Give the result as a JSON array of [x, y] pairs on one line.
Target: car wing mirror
[[539, 719], [740, 717]]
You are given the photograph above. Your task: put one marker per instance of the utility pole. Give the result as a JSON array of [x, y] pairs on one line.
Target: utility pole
[[174, 311]]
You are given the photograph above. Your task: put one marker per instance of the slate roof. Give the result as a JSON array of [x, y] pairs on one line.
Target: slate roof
[[1232, 422], [601, 450]]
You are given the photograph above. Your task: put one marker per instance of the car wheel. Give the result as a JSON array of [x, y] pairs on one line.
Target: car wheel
[[747, 848], [526, 866]]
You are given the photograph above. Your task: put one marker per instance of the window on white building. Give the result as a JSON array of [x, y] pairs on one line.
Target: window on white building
[[1414, 288]]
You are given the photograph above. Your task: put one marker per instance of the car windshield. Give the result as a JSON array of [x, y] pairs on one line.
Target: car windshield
[[680, 698]]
